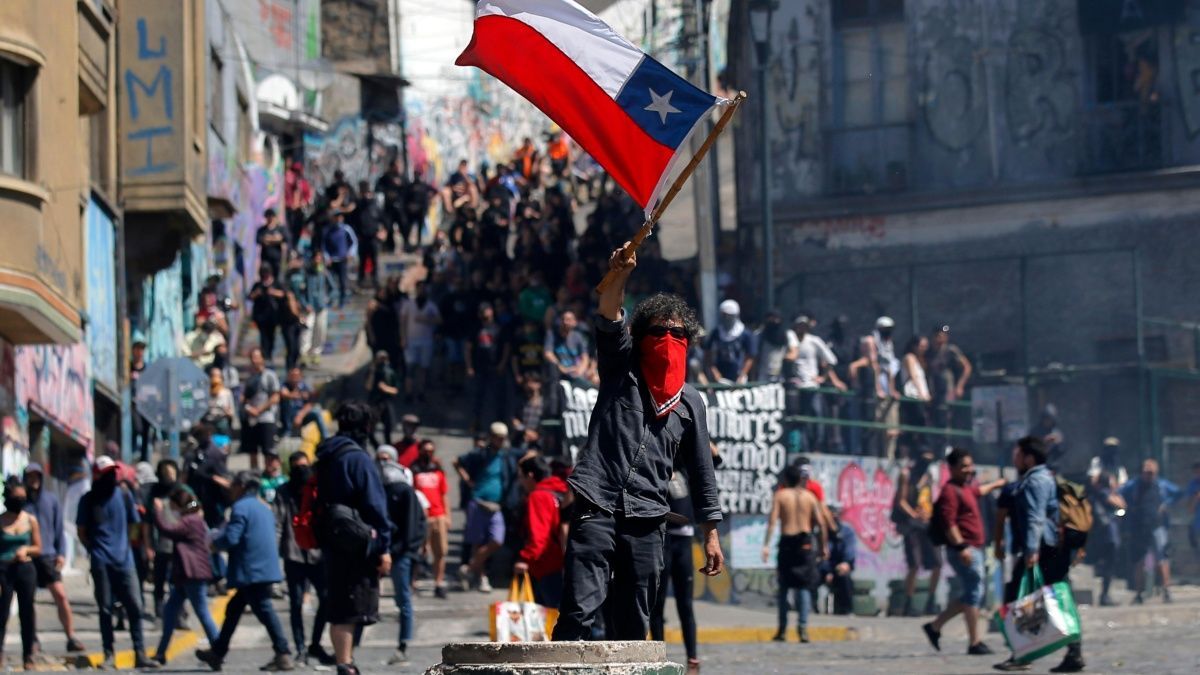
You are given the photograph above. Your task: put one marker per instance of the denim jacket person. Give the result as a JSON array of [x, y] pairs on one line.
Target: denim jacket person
[[1035, 512]]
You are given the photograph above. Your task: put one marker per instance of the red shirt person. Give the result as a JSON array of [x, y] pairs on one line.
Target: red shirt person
[[542, 556], [430, 480]]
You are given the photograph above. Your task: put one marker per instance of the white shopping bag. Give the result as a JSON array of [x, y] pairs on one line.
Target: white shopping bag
[[519, 619], [1041, 621]]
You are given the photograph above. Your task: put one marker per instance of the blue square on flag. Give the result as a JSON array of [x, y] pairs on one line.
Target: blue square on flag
[[662, 103]]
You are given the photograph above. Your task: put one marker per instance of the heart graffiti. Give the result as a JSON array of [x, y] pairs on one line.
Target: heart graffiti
[[866, 506]]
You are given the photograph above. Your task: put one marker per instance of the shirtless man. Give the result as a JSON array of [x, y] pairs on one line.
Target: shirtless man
[[798, 513]]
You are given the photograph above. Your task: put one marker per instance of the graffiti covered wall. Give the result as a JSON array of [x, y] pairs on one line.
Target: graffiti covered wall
[[54, 382], [161, 318], [102, 334]]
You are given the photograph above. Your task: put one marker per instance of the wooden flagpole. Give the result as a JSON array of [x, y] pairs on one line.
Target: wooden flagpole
[[631, 247]]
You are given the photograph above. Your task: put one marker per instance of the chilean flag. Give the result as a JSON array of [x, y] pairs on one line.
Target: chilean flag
[[627, 110]]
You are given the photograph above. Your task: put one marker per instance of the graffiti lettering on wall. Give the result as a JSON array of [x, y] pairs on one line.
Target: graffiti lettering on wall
[[746, 424], [162, 311], [1187, 69], [954, 99], [14, 450], [362, 150], [577, 413], [149, 89], [8, 399], [795, 77], [55, 383], [831, 233], [1039, 94], [101, 295]]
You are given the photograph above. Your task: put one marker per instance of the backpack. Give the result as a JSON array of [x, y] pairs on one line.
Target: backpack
[[304, 522], [1074, 513]]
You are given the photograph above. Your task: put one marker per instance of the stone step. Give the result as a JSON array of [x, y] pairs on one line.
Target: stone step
[[556, 658]]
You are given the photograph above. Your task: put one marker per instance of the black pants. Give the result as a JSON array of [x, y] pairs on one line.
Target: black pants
[[291, 342], [368, 254], [679, 570], [338, 267], [112, 585], [842, 589], [19, 579], [266, 338], [383, 411], [1056, 566], [299, 576], [629, 551], [162, 574], [259, 438], [258, 598]]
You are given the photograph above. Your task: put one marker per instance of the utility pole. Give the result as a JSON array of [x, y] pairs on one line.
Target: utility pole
[[705, 193]]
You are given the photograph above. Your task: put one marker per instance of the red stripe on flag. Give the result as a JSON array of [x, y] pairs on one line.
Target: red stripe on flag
[[516, 54]]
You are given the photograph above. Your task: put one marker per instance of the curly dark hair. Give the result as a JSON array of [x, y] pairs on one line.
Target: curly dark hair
[[356, 420], [664, 306]]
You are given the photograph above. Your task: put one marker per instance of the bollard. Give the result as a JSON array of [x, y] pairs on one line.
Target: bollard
[[555, 658]]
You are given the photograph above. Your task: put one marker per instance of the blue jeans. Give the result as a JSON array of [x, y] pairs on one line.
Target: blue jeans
[[118, 584], [970, 577], [402, 583], [258, 598], [803, 602], [196, 593]]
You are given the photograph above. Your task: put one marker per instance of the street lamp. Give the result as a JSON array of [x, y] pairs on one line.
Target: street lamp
[[760, 29]]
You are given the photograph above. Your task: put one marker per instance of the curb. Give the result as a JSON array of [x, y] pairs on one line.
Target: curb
[[743, 634]]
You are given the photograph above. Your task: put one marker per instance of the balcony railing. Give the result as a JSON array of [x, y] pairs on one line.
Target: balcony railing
[[869, 160]]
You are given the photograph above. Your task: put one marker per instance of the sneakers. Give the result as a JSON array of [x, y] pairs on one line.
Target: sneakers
[[979, 649], [1138, 599], [1166, 596], [209, 658], [109, 663], [1012, 666], [440, 593], [143, 662], [317, 653], [804, 634], [464, 576], [399, 657], [778, 637], [281, 662], [933, 635], [485, 586]]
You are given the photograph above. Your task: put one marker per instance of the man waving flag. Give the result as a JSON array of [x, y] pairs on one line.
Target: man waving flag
[[627, 110]]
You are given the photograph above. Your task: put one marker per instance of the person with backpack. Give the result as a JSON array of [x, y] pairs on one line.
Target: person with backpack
[[912, 510], [958, 524], [408, 537], [349, 514], [1149, 497], [249, 536], [490, 473], [542, 556], [1034, 518]]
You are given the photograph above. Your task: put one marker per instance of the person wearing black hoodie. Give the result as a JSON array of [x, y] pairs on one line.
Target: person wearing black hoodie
[[347, 476]]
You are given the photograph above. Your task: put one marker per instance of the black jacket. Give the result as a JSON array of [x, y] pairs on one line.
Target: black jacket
[[408, 520], [629, 456]]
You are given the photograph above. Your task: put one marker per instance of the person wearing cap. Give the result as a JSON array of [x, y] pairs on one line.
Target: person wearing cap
[[44, 506], [648, 420], [730, 350], [382, 389], [812, 366], [949, 371], [385, 458], [489, 473], [105, 514], [249, 537]]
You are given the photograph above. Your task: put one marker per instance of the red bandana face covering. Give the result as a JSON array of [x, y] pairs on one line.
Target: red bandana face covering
[[664, 369]]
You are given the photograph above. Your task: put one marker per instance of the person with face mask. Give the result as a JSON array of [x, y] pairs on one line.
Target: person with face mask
[[774, 340], [302, 568], [648, 420], [179, 519], [159, 548], [44, 506], [886, 367], [20, 545], [105, 515], [730, 351], [320, 296]]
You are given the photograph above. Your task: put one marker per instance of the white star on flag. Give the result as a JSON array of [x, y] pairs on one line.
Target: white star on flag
[[662, 105]]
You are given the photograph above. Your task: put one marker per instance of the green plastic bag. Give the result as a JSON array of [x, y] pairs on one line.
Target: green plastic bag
[[1041, 621]]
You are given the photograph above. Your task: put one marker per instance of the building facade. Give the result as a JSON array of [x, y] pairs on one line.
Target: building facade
[[1021, 170], [59, 266]]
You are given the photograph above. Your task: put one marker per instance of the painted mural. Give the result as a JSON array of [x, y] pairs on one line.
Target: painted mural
[[102, 333], [161, 319], [54, 382]]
